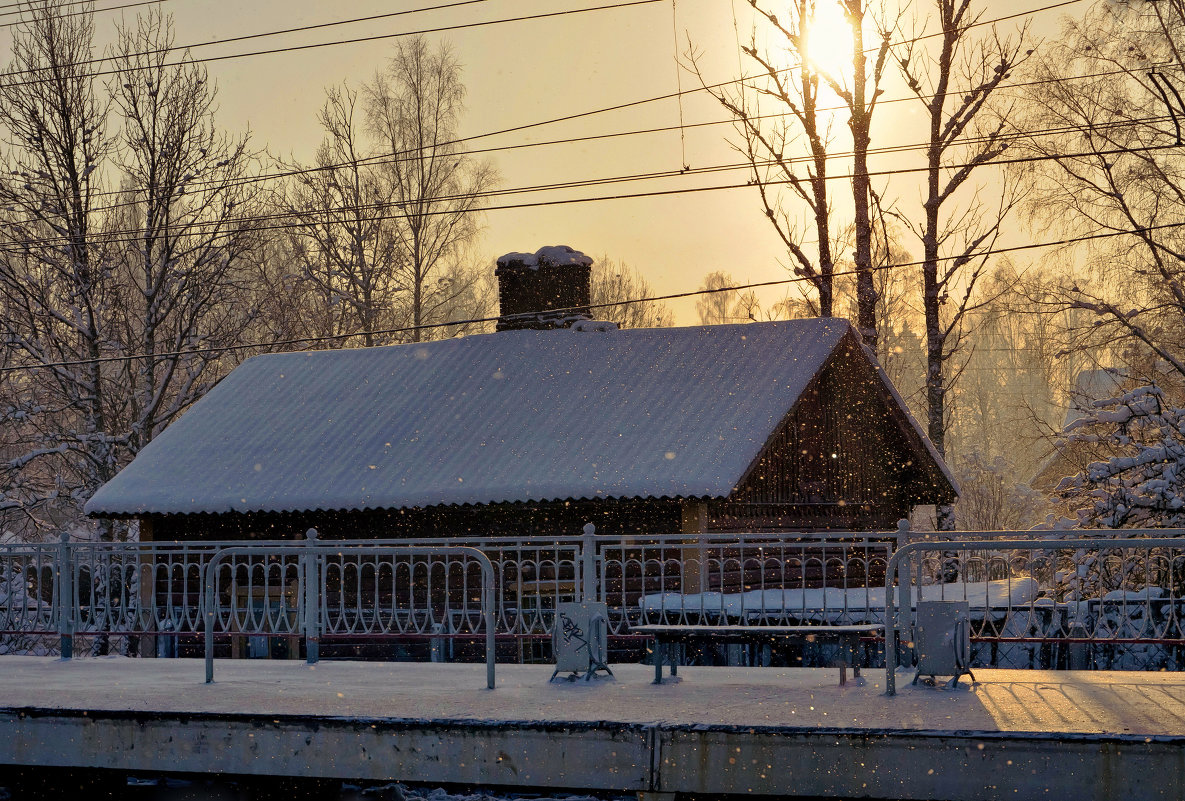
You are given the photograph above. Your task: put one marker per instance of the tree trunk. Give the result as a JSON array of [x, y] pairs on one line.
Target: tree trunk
[[860, 124]]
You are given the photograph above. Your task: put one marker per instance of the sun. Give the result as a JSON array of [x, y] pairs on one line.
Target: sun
[[829, 40]]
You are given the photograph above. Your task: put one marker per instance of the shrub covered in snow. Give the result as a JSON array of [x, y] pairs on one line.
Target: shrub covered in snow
[[1141, 483]]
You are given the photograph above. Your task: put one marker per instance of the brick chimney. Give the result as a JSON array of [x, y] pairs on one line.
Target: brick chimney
[[550, 288]]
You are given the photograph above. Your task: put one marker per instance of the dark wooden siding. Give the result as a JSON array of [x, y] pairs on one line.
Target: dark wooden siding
[[838, 461], [562, 518]]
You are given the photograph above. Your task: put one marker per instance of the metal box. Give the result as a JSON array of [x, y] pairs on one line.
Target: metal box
[[581, 638], [942, 639]]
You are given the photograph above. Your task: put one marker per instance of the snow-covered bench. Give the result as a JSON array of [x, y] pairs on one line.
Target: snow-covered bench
[[849, 638], [828, 605]]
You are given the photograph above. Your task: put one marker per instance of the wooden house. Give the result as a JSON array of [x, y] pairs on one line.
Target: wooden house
[[538, 429]]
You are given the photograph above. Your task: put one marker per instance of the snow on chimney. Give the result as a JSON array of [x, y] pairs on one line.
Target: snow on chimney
[[549, 288]]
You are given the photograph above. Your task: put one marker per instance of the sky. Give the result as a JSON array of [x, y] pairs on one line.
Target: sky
[[529, 71]]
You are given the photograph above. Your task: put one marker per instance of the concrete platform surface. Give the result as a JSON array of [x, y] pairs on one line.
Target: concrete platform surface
[[1046, 702]]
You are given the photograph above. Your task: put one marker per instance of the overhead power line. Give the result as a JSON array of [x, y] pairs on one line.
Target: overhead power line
[[387, 157], [461, 26], [317, 45], [213, 350], [412, 154], [396, 156], [285, 220], [83, 12]]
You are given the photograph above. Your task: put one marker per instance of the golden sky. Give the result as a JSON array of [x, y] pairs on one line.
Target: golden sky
[[529, 71]]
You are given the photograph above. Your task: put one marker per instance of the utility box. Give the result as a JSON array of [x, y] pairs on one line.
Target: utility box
[[942, 639], [580, 640]]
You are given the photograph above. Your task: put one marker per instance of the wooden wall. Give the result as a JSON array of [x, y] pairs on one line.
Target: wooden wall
[[839, 461]]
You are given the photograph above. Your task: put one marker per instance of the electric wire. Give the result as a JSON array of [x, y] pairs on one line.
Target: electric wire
[[412, 154], [26, 5], [678, 85], [84, 12], [385, 158], [442, 29], [217, 349], [284, 220], [313, 45]]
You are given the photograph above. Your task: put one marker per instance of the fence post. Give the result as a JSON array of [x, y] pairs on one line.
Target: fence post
[[311, 576], [904, 597], [64, 596], [209, 606], [891, 618], [488, 599], [588, 561]]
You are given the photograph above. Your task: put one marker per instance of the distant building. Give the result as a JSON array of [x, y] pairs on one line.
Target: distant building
[[1071, 458], [547, 424]]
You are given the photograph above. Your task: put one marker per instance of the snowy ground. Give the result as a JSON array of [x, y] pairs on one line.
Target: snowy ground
[[1125, 702]]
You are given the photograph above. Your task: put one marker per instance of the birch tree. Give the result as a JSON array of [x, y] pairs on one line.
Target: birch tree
[[54, 280], [614, 282], [181, 231], [347, 252], [1116, 170], [1110, 172], [414, 108], [861, 97], [957, 83], [112, 305], [791, 150], [387, 214]]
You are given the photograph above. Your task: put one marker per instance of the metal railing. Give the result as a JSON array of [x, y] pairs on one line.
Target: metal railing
[[747, 579], [1090, 596], [1096, 600], [531, 574], [99, 589], [151, 594], [305, 591]]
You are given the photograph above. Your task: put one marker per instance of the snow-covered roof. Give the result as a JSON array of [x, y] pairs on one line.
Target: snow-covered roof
[[1091, 386], [508, 417]]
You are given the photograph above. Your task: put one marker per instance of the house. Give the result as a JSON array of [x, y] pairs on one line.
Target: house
[[1070, 458], [547, 424]]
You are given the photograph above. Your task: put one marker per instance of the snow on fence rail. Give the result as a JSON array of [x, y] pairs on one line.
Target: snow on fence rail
[[759, 579]]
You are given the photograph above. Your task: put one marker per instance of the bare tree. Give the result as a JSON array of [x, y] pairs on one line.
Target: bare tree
[[615, 282], [180, 229], [414, 108], [719, 304], [775, 145], [347, 252], [53, 280], [108, 310], [1114, 169], [992, 499], [861, 98], [957, 86]]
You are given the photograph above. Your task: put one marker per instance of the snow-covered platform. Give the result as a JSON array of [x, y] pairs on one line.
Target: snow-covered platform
[[754, 731]]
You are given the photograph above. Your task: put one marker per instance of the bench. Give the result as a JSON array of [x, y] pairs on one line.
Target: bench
[[848, 637]]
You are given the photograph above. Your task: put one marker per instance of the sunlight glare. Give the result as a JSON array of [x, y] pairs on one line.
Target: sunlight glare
[[829, 44]]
